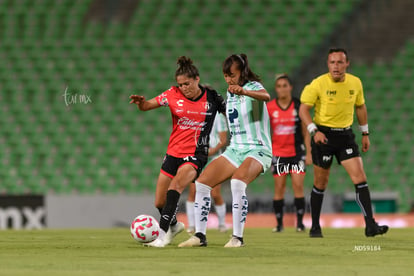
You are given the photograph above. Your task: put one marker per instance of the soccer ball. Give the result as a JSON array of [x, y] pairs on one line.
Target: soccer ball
[[145, 228]]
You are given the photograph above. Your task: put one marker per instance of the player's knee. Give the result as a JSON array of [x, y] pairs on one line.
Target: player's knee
[[321, 183]]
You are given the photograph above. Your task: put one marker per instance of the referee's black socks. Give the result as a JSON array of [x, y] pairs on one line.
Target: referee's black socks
[[363, 198], [316, 199]]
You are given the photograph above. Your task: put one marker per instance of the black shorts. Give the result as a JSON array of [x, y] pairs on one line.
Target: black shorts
[[341, 144], [171, 164], [288, 165]]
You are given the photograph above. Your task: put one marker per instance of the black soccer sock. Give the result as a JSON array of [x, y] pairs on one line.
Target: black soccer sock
[[300, 209], [174, 219], [363, 198], [278, 208], [169, 210], [316, 199]]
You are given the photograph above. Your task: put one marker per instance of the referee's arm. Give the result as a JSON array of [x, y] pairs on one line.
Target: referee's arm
[[362, 114], [362, 117], [305, 116], [304, 113]]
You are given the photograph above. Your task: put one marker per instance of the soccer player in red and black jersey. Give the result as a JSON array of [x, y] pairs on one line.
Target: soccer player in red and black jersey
[[291, 150], [193, 110]]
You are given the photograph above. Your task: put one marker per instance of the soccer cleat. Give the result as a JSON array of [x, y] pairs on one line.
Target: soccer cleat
[[300, 228], [278, 229], [173, 231], [315, 232], [197, 240], [156, 243], [375, 229], [235, 242]]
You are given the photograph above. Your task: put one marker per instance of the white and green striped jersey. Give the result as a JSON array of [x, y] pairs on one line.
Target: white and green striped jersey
[[219, 125], [248, 120]]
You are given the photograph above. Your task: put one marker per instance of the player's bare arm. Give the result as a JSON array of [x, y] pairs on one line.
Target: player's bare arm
[[143, 104], [223, 143], [362, 116], [260, 95]]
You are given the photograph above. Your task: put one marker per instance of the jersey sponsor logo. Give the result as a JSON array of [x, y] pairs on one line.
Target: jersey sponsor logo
[[192, 112], [163, 100], [180, 102], [186, 123], [285, 130], [331, 92], [233, 114]]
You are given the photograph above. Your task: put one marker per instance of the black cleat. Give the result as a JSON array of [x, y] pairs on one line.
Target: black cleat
[[375, 229], [300, 228], [278, 229], [315, 232]]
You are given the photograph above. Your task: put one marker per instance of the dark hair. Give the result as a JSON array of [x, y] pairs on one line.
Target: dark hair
[[246, 74], [186, 68], [283, 76], [338, 50]]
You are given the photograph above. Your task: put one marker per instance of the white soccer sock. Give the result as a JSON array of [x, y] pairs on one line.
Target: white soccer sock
[[189, 209], [240, 204], [202, 207], [221, 214]]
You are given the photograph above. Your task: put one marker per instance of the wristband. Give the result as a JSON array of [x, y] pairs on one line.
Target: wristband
[[312, 128], [364, 128], [365, 133]]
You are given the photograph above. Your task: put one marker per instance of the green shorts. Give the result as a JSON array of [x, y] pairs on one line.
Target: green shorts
[[237, 156]]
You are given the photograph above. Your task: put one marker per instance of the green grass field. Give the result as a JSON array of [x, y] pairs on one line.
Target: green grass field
[[114, 252]]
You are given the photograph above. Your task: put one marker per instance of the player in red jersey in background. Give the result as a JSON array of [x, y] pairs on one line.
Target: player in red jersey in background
[[193, 110], [291, 150]]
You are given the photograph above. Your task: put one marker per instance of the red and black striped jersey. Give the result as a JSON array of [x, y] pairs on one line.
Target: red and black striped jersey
[[192, 120], [287, 137]]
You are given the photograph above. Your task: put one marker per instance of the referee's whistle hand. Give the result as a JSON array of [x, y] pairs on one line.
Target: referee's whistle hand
[[320, 138], [365, 143]]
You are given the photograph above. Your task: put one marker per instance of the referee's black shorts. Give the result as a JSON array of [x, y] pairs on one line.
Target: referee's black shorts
[[341, 144]]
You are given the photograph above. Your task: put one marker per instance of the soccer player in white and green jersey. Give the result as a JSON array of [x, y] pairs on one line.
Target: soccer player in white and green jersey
[[248, 155]]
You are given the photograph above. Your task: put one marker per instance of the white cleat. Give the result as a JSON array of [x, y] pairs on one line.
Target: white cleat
[[173, 231], [193, 241], [234, 242], [156, 243]]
